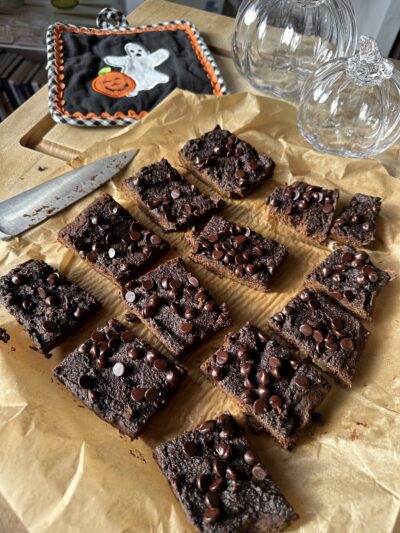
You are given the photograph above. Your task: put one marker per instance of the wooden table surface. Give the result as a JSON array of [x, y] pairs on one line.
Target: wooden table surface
[[30, 141]]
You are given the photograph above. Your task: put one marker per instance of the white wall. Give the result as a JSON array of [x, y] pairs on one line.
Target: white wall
[[379, 19]]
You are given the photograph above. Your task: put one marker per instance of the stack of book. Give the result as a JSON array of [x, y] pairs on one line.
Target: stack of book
[[20, 78]]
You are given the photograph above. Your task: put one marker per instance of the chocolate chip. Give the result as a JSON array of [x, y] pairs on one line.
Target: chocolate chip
[[306, 330], [275, 401], [318, 336], [49, 326], [218, 468], [262, 377], [151, 394], [222, 357], [337, 323], [85, 381], [79, 312], [347, 344], [190, 448], [212, 500], [135, 236], [41, 292], [260, 406], [172, 377], [210, 306], [211, 515], [135, 353], [156, 240], [138, 393], [127, 336], [147, 284], [53, 279], [259, 472], [203, 482], [160, 364], [224, 450], [302, 381], [216, 485], [206, 426], [274, 361], [16, 279], [217, 373], [250, 457], [240, 173], [373, 276]]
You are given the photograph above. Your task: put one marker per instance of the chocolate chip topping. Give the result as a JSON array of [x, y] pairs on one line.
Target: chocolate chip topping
[[351, 278], [172, 301], [116, 244], [45, 303], [229, 491], [238, 252], [129, 385], [226, 162], [169, 198], [357, 222], [330, 325], [268, 382], [307, 208]]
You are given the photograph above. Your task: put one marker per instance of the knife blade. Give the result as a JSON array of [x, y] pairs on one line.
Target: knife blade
[[35, 205]]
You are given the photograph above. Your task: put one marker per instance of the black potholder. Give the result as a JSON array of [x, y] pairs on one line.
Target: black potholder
[[115, 74]]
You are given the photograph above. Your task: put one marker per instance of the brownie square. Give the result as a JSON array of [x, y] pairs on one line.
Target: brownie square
[[319, 328], [220, 482], [168, 198], [350, 277], [48, 306], [111, 241], [280, 391], [308, 209], [356, 224], [238, 253], [174, 305], [227, 163], [120, 378]]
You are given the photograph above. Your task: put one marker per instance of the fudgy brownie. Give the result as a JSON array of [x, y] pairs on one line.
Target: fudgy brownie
[[306, 208], [350, 277], [356, 224], [239, 253], [109, 239], [220, 482], [226, 163], [322, 330], [174, 305], [120, 377], [48, 306], [168, 198], [280, 391]]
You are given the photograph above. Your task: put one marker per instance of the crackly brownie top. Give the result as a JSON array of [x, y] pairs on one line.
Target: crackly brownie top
[[120, 376], [308, 208], [106, 235], [323, 329], [233, 163], [243, 251], [350, 276], [46, 304], [357, 221], [174, 201], [220, 481], [280, 389], [174, 303]]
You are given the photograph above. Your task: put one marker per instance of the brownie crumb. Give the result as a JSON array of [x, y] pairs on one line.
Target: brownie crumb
[[4, 336]]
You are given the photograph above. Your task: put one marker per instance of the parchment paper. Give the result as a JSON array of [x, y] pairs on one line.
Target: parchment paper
[[64, 470]]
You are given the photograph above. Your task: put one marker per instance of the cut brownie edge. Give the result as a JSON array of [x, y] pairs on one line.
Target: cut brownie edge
[[296, 384], [219, 481], [173, 203], [119, 377], [106, 237]]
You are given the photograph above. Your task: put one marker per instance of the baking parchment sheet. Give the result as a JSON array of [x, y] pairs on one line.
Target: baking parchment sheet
[[64, 470]]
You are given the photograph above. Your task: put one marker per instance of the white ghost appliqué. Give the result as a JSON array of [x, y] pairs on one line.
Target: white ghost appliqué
[[139, 64]]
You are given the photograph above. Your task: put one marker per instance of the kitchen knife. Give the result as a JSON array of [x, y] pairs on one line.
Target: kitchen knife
[[31, 207]]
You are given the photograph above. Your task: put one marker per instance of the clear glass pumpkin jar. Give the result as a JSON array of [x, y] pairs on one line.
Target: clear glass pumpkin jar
[[277, 44], [351, 107]]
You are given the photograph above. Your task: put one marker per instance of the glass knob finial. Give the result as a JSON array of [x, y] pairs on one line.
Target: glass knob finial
[[368, 67]]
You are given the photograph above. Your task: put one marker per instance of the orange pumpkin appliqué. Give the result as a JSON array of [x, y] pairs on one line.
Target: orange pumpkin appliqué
[[114, 84]]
